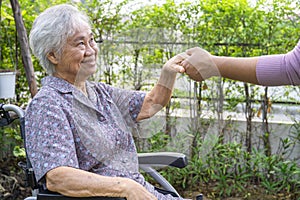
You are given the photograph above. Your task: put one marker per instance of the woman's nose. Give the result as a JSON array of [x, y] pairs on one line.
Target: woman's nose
[[90, 50]]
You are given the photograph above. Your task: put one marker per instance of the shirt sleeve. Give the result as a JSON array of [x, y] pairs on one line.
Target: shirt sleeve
[[49, 139], [275, 70]]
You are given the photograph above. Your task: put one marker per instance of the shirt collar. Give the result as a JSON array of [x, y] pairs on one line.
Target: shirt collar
[[59, 84], [65, 87], [62, 85]]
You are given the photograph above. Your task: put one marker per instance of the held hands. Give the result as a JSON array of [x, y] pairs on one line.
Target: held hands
[[199, 64], [174, 64], [170, 70]]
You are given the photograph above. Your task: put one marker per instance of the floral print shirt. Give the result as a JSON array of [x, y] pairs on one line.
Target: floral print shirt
[[66, 128]]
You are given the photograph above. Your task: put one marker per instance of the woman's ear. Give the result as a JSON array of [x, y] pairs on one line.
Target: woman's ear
[[52, 57]]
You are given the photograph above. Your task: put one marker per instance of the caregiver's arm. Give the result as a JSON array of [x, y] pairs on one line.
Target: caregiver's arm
[[272, 70]]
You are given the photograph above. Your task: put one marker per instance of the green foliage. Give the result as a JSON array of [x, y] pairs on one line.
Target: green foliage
[[233, 172], [19, 152], [158, 141], [11, 141], [8, 35], [275, 174]]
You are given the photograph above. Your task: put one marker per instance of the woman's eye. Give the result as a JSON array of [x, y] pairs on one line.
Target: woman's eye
[[80, 43], [92, 41]]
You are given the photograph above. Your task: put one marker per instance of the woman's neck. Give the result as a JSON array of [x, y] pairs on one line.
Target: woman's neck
[[81, 87], [79, 84]]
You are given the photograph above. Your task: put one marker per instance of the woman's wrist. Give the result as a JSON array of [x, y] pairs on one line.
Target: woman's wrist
[[167, 78]]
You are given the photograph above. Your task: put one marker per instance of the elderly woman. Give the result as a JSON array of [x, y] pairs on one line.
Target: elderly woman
[[77, 132]]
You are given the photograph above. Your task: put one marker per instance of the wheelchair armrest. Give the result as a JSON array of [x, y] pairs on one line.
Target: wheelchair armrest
[[173, 159], [48, 195], [149, 160]]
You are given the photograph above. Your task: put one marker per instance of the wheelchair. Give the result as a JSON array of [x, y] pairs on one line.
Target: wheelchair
[[147, 163]]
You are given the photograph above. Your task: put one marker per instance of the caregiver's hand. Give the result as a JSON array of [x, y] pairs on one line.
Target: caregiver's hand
[[199, 64]]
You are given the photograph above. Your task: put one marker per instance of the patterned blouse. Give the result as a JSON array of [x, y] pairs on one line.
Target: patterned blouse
[[65, 128]]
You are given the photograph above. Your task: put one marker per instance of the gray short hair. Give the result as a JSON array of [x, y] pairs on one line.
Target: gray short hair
[[51, 29]]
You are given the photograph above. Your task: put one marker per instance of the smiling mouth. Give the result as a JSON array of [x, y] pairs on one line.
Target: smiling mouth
[[88, 61]]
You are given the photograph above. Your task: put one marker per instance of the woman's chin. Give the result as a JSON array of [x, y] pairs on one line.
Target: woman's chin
[[88, 70]]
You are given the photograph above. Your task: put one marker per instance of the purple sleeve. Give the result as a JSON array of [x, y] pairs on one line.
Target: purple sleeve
[[283, 69]]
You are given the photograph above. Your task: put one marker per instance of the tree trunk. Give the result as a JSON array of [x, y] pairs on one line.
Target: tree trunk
[[25, 53], [265, 125], [248, 114]]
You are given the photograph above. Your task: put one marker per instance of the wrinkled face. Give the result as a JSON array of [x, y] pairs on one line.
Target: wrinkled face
[[78, 59]]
